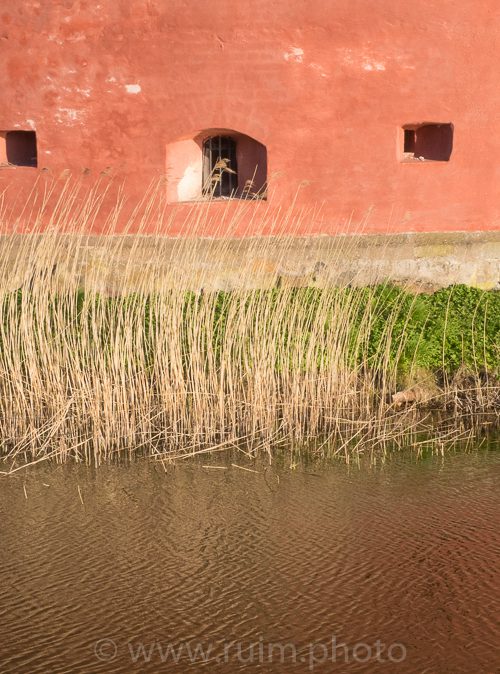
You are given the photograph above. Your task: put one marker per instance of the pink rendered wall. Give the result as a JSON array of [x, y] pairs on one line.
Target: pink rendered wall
[[326, 86]]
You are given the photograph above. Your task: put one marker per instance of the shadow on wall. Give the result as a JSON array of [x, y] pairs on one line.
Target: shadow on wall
[[216, 164]]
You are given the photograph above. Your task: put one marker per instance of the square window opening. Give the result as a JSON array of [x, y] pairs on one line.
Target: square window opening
[[428, 142], [20, 148]]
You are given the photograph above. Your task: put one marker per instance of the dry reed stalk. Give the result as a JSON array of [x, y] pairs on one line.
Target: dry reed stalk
[[149, 358]]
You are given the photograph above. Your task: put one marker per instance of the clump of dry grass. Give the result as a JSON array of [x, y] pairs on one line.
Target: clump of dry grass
[[123, 348]]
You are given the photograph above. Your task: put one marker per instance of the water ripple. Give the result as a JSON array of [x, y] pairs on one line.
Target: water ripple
[[406, 553]]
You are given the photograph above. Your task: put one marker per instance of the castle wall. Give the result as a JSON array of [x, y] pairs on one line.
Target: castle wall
[[327, 86]]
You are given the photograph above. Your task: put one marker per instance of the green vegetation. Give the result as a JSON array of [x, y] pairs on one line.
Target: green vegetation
[[453, 328]]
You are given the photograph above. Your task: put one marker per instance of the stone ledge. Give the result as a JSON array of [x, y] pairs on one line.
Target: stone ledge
[[120, 263]]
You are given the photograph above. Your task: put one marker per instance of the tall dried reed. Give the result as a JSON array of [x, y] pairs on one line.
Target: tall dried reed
[[121, 343]]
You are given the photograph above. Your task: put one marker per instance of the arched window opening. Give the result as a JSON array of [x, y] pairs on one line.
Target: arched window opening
[[220, 171], [216, 164]]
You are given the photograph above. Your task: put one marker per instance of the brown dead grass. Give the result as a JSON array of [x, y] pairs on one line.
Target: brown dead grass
[[85, 383]]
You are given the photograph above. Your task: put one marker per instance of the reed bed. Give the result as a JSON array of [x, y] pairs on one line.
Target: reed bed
[[130, 348]]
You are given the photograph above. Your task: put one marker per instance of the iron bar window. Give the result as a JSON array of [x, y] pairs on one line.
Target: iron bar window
[[220, 177]]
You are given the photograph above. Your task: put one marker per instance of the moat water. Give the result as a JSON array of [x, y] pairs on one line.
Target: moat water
[[378, 567]]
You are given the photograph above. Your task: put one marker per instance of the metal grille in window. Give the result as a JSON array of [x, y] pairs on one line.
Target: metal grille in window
[[220, 178]]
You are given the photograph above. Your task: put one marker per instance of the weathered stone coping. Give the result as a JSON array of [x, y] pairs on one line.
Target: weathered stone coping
[[118, 263]]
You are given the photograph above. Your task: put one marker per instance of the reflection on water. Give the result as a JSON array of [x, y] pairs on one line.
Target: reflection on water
[[322, 568]]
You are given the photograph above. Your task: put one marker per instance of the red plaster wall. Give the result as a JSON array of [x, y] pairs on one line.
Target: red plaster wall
[[325, 85]]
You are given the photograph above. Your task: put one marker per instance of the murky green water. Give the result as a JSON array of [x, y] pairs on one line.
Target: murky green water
[[329, 568]]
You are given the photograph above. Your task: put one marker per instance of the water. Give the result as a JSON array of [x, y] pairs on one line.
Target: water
[[371, 568]]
